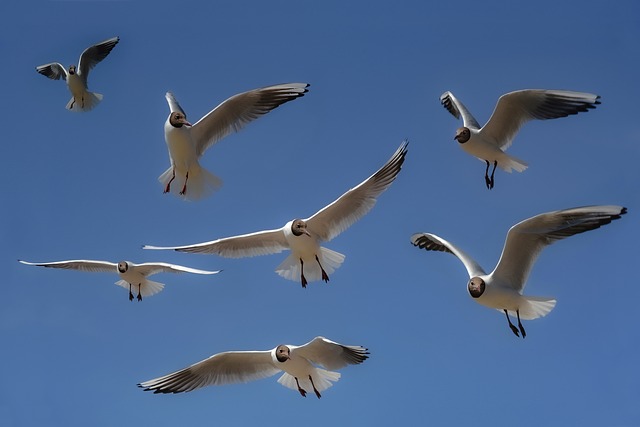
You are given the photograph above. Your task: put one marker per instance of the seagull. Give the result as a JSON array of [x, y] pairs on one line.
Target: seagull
[[502, 288], [130, 273], [308, 260], [187, 143], [76, 78], [302, 366], [512, 111]]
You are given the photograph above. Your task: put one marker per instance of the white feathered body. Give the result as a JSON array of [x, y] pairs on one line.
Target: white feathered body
[[487, 149], [506, 297], [307, 248], [82, 99], [299, 367], [184, 159], [134, 277]]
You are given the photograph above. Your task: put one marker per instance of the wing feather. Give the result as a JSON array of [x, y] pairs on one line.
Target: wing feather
[[246, 245], [331, 355], [236, 112], [514, 109], [54, 71], [80, 264], [93, 55], [222, 368], [150, 268], [431, 242], [457, 109], [333, 219], [526, 239]]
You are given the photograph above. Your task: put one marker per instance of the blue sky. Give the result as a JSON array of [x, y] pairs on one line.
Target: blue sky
[[85, 186]]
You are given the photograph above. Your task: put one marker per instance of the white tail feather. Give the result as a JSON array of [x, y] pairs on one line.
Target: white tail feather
[[147, 288], [507, 163], [201, 183], [88, 102], [330, 260], [322, 379], [534, 307]]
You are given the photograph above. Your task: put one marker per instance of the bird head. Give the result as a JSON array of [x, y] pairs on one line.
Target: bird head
[[476, 287], [462, 135], [299, 227], [282, 353], [123, 266], [178, 119]]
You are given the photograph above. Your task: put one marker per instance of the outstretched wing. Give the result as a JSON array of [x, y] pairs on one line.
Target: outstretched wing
[[526, 239], [94, 54], [333, 219], [222, 368], [457, 109], [331, 355], [54, 71], [516, 108], [246, 245], [173, 104], [80, 264], [234, 113], [431, 242], [149, 268]]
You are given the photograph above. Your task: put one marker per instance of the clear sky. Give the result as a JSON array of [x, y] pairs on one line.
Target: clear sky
[[84, 186]]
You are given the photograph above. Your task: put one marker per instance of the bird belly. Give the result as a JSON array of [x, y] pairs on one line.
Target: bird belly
[[500, 298], [483, 150], [181, 150], [76, 86], [303, 247], [297, 366]]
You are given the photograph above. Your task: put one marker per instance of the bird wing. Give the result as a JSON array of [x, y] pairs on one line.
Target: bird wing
[[457, 109], [149, 268], [54, 71], [173, 104], [516, 108], [527, 238], [331, 355], [246, 245], [222, 368], [431, 242], [94, 54], [234, 113], [79, 264], [333, 219]]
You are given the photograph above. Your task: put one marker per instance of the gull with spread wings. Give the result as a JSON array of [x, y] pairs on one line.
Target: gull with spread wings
[[130, 273], [305, 367], [513, 110], [187, 142], [76, 77], [308, 261], [502, 288]]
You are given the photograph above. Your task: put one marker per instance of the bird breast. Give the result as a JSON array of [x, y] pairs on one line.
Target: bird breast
[[180, 145]]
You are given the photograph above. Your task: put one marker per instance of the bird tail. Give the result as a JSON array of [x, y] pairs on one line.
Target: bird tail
[[148, 288], [534, 307], [330, 260], [508, 163], [201, 183], [322, 379], [86, 103]]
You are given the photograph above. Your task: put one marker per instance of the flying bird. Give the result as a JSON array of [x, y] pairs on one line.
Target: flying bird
[[76, 77], [502, 288], [130, 273], [307, 367], [513, 109], [308, 261], [187, 142]]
